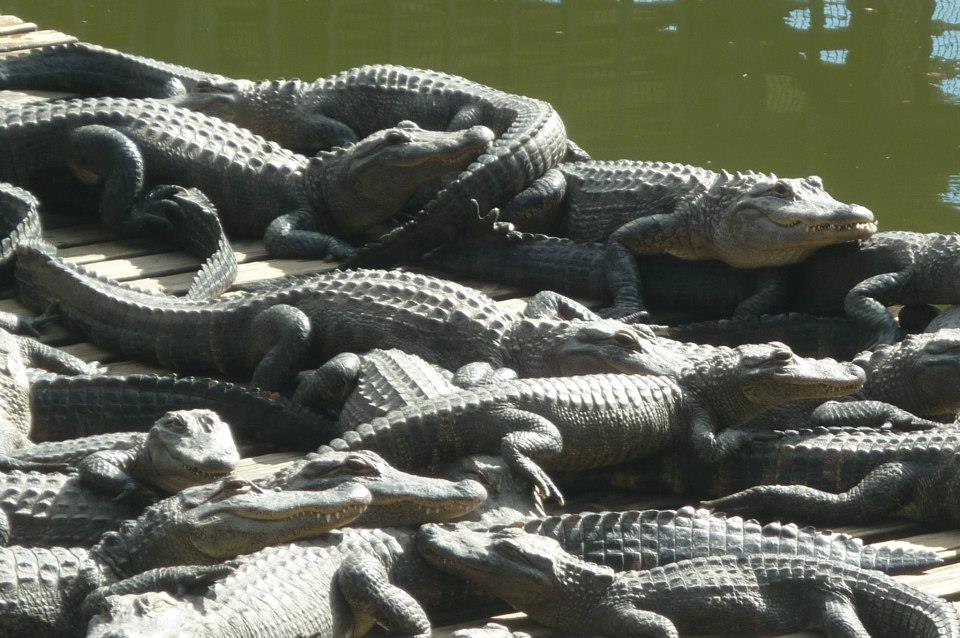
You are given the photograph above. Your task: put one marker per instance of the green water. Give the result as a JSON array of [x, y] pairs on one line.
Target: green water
[[865, 94]]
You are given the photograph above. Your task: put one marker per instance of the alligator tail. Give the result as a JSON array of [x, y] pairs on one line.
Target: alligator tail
[[90, 70]]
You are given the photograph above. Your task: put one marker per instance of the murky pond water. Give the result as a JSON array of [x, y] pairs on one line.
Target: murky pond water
[[864, 93]]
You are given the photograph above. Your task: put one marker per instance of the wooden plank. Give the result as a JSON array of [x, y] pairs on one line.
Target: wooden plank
[[255, 467], [134, 367], [939, 581], [89, 352], [102, 251], [78, 235], [166, 263], [33, 39], [246, 274], [881, 531]]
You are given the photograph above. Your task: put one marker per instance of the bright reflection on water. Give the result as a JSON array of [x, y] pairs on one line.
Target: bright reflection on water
[[865, 93]]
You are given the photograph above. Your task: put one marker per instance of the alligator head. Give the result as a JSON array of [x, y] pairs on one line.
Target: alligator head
[[546, 347], [920, 374], [746, 381], [525, 570], [398, 498], [211, 523], [759, 221], [365, 184], [189, 447]]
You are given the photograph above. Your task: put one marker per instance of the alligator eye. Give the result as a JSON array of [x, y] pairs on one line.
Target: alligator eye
[[626, 338], [358, 465], [395, 136], [781, 356], [781, 189], [815, 180]]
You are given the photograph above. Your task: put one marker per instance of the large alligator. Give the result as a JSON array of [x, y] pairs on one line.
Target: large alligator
[[67, 407], [181, 450], [297, 204], [285, 326], [352, 578], [169, 546], [758, 595], [578, 422], [337, 110], [746, 220]]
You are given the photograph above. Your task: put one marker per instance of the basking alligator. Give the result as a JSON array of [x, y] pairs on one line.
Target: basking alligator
[[66, 407], [569, 423], [260, 190], [746, 220], [336, 110], [181, 450], [353, 578], [169, 546], [753, 595], [285, 326]]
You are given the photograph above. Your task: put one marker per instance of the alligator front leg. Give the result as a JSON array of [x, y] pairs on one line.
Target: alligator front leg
[[867, 414], [282, 333], [106, 471], [39, 355], [552, 305], [867, 302], [536, 208], [529, 436], [770, 293], [365, 586], [710, 446], [296, 235], [177, 581], [618, 620], [882, 492]]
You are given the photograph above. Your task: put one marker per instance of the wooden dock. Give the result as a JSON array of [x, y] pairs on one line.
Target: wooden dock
[[151, 266]]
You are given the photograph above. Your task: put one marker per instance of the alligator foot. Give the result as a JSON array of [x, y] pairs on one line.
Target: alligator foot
[[296, 235]]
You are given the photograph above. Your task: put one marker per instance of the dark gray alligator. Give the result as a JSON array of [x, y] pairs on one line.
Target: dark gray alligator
[[862, 279], [578, 422], [754, 595], [286, 326], [19, 221], [177, 543], [746, 220], [181, 450], [67, 407], [354, 578], [260, 190], [308, 116]]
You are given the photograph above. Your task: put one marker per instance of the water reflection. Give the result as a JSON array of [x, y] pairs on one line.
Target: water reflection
[[862, 92]]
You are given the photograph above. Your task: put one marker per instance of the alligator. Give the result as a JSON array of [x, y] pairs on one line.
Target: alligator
[[914, 384], [181, 450], [398, 498], [861, 279], [579, 422], [295, 203], [275, 332], [336, 110], [19, 222], [949, 319], [181, 541], [746, 220], [753, 595], [352, 577], [67, 407]]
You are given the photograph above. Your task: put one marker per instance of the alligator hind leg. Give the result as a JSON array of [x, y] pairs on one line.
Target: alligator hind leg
[[296, 235], [623, 284], [282, 332], [552, 305], [883, 491], [866, 303], [40, 355], [536, 208], [867, 414], [328, 386], [99, 153], [839, 617], [364, 584]]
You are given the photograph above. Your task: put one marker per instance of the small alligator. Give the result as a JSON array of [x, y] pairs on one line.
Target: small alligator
[[753, 595], [334, 111], [287, 325], [351, 578], [67, 407], [294, 202], [578, 422], [914, 384], [178, 542], [398, 498], [118, 474]]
